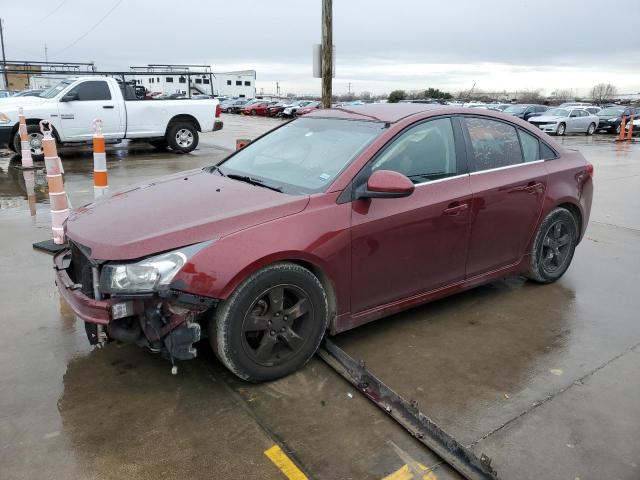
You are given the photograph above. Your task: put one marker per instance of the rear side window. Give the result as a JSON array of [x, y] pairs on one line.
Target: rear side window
[[92, 90], [494, 144], [530, 147], [424, 152]]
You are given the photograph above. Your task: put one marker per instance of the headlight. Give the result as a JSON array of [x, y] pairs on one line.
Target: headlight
[[4, 118], [145, 276]]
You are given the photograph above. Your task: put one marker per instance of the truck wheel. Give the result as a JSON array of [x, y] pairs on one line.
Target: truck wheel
[[182, 137], [272, 324], [35, 140]]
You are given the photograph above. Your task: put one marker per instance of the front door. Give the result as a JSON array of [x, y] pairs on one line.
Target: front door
[[404, 246], [508, 181], [94, 100]]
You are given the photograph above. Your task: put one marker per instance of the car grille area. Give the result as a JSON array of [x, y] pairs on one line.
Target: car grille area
[[80, 270]]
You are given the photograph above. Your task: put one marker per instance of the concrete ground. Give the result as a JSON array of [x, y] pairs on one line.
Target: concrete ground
[[543, 379]]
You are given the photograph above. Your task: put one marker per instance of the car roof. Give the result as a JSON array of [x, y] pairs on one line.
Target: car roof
[[382, 112]]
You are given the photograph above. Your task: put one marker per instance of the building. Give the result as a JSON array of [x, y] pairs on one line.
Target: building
[[170, 79]]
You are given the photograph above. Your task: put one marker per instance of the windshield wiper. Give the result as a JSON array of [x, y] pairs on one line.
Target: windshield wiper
[[253, 181]]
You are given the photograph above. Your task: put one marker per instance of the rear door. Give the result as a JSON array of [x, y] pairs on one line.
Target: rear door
[[94, 100], [404, 246], [573, 122], [508, 192]]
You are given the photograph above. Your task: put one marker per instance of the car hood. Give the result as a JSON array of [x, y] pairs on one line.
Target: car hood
[[16, 102], [547, 118], [175, 211]]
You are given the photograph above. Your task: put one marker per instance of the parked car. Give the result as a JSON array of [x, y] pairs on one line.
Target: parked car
[[258, 108], [329, 222], [290, 110], [73, 104], [593, 109], [29, 93], [229, 106], [525, 111], [636, 125], [611, 118], [277, 108], [310, 107], [566, 120], [500, 107], [237, 108]]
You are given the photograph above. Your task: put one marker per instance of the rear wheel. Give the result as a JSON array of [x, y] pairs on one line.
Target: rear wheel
[[272, 324], [35, 142], [561, 129], [591, 129], [182, 137], [554, 246]]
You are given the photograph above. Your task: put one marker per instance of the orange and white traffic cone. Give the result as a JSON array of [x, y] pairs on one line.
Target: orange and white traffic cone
[[25, 147], [57, 195], [623, 125], [242, 142], [100, 179], [630, 134]]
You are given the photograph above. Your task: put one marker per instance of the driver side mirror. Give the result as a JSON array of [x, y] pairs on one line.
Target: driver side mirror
[[70, 97], [385, 184]]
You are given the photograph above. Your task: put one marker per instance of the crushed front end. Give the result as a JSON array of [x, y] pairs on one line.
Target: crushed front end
[[133, 302]]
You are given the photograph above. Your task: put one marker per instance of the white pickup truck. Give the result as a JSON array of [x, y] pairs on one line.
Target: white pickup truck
[[73, 104]]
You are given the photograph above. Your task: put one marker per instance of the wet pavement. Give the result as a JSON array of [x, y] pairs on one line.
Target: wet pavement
[[543, 379]]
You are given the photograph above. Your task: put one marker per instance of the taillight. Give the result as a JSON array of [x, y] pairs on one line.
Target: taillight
[[590, 169], [218, 110]]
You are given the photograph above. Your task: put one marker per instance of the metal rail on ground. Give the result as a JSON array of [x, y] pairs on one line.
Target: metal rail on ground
[[407, 414]]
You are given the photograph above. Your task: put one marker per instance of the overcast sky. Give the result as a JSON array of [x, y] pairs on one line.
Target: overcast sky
[[380, 45]]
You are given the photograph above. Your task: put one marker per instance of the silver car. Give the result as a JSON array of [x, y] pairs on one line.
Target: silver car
[[559, 121]]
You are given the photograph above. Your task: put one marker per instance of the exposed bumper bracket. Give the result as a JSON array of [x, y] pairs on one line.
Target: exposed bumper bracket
[[459, 457]]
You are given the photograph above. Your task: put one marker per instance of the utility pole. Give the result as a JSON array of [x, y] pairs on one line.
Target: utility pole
[[327, 52], [4, 60], [46, 57], [349, 88], [278, 89]]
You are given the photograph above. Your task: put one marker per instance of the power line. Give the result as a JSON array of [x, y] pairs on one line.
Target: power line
[[53, 11], [92, 28]]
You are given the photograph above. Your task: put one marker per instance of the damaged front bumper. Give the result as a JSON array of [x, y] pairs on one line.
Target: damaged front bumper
[[167, 322]]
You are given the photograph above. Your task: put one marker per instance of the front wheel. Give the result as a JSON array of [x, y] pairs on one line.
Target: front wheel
[[35, 138], [554, 246], [561, 129], [591, 129], [182, 137], [272, 324]]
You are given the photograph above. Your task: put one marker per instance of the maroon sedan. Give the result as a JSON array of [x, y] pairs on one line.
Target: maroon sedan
[[325, 223]]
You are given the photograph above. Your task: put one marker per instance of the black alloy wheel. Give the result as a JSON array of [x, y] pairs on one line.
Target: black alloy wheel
[[554, 246]]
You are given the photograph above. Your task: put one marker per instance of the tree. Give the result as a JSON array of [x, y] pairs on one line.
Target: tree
[[603, 93], [563, 94], [436, 94], [530, 96], [396, 96]]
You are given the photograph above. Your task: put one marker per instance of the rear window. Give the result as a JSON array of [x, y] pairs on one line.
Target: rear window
[[530, 147], [494, 144]]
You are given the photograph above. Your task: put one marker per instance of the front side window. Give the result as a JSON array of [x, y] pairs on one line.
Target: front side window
[[303, 156], [92, 90], [494, 144], [424, 152]]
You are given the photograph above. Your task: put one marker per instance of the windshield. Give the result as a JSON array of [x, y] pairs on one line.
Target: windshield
[[56, 89], [303, 156], [611, 111], [515, 109], [556, 112]]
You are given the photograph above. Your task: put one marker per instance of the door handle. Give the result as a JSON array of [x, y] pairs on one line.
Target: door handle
[[107, 106], [535, 188], [455, 208]]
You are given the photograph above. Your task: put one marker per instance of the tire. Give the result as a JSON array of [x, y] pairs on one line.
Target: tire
[[250, 332], [36, 140], [253, 113], [551, 255], [182, 137], [159, 144], [562, 128], [591, 129]]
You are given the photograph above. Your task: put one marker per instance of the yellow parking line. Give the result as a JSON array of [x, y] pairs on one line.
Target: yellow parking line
[[407, 473], [284, 463]]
